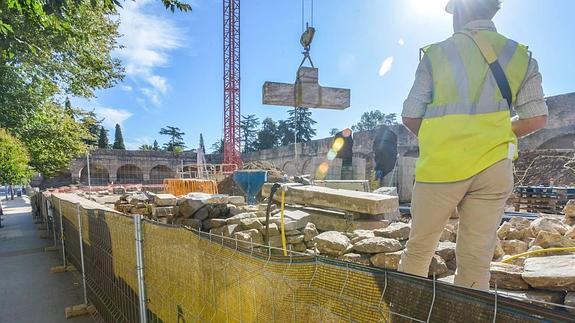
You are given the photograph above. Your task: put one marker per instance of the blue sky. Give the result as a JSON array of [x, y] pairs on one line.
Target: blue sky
[[174, 61]]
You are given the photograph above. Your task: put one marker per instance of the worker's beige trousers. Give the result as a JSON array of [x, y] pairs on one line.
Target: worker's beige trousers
[[480, 202]]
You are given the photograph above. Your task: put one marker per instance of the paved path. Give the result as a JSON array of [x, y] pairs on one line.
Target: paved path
[[28, 291]]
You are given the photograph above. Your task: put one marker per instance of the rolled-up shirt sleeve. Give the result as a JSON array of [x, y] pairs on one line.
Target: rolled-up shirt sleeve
[[421, 93], [530, 100]]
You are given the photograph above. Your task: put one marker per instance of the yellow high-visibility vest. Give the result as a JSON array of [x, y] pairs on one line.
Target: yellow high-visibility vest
[[467, 127]]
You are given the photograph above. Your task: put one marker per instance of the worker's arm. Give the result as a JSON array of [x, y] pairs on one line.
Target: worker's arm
[[413, 124], [419, 97], [524, 127], [530, 104]]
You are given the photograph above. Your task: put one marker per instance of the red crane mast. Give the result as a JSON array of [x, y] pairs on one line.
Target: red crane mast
[[232, 116]]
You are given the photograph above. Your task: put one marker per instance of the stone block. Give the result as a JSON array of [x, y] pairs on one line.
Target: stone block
[[377, 245], [164, 200], [507, 276], [386, 260], [551, 273], [352, 201]]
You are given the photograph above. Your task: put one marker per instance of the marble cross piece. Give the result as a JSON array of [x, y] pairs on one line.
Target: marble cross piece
[[306, 93]]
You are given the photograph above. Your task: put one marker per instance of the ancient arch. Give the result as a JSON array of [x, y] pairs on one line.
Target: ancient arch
[[159, 173], [307, 167], [99, 175], [129, 174]]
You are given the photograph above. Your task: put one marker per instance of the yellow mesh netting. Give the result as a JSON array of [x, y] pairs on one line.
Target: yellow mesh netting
[[191, 276]]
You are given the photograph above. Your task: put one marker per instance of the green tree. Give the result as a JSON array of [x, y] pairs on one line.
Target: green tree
[[146, 147], [176, 142], [249, 125], [333, 131], [18, 97], [300, 120], [202, 146], [390, 119], [90, 121], [14, 160], [285, 133], [53, 139], [268, 135], [52, 16], [118, 139], [68, 108], [369, 120], [155, 146], [218, 147], [103, 139]]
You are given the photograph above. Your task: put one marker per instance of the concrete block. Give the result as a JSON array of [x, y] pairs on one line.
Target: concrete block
[[165, 200], [79, 310], [305, 93], [62, 269], [352, 185], [352, 201]]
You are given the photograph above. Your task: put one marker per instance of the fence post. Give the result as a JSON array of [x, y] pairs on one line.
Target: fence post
[[46, 216], [140, 268], [51, 217], [82, 253], [62, 233]]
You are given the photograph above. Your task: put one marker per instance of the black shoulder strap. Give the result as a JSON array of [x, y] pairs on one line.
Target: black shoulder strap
[[491, 58]]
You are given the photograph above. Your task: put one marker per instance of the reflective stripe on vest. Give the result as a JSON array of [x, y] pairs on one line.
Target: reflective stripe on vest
[[467, 128], [486, 103]]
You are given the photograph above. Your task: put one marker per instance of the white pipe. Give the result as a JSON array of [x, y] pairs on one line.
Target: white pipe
[[62, 233], [140, 268], [82, 253]]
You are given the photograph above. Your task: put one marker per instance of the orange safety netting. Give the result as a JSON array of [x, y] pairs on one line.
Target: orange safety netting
[[179, 186]]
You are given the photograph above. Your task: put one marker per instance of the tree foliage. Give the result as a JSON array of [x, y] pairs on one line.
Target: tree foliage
[[90, 121], [155, 146], [300, 120], [372, 119], [53, 139], [118, 139], [333, 131], [249, 125], [14, 159], [218, 147], [202, 146], [146, 147], [53, 17], [176, 142], [267, 135], [103, 139]]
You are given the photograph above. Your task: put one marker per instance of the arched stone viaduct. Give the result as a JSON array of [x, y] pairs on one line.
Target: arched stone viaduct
[[151, 167], [129, 166]]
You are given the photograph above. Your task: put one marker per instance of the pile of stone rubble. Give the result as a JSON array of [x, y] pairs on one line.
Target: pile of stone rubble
[[546, 276], [320, 221]]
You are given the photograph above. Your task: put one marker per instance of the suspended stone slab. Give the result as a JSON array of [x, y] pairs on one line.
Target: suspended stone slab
[[306, 93]]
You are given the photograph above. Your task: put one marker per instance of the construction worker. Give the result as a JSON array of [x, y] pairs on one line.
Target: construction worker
[[460, 107]]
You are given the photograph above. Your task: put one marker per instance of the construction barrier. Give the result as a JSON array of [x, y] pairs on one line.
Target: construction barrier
[[183, 186], [138, 270]]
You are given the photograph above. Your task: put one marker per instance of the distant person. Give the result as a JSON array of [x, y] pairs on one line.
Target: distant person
[[460, 107]]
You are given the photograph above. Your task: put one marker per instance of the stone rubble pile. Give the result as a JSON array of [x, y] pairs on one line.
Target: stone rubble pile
[[372, 240], [541, 277]]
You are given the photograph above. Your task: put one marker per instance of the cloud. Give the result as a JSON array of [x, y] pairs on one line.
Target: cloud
[[401, 42], [112, 116], [135, 143], [386, 66], [158, 83], [126, 88], [147, 41]]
